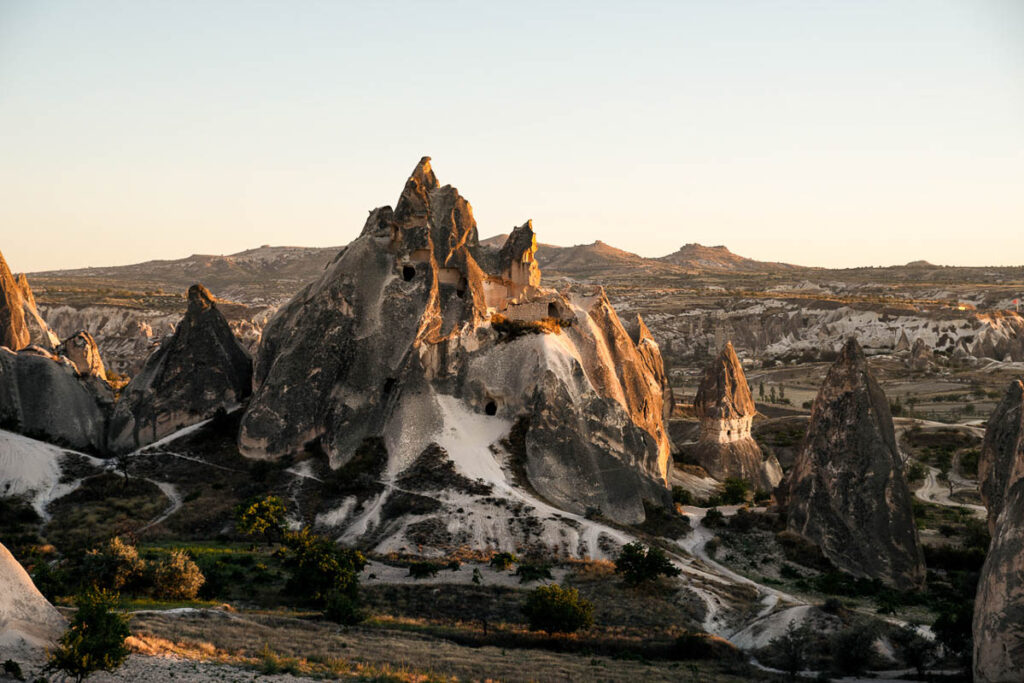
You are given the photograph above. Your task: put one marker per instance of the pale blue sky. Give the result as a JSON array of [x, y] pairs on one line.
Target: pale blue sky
[[825, 133]]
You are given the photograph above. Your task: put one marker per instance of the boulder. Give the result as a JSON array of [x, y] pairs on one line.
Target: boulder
[[26, 617], [999, 604], [416, 332], [201, 368], [43, 396], [726, 448], [847, 493], [81, 350]]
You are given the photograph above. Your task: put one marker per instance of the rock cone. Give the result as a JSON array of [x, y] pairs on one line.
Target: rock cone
[[416, 332], [999, 605], [201, 368], [21, 324], [726, 410], [847, 493], [81, 349], [26, 617]]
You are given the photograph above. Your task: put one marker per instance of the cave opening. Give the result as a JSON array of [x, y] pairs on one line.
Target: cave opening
[[552, 310], [408, 272], [491, 408]]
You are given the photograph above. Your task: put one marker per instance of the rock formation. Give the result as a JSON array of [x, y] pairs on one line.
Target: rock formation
[[20, 322], [999, 605], [43, 396], [902, 344], [651, 353], [1002, 453], [201, 368], [726, 448], [417, 332], [26, 617], [847, 493], [921, 356], [81, 350]]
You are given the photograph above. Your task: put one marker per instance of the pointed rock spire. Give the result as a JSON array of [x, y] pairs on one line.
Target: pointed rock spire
[[726, 448], [847, 491], [201, 368], [414, 199], [14, 333]]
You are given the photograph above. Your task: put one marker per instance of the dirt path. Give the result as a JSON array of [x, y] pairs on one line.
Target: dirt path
[[171, 492]]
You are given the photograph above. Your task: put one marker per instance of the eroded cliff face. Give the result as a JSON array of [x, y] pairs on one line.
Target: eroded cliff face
[[726, 448], [81, 350], [416, 332], [847, 493], [1002, 452], [26, 617], [999, 604], [43, 396], [200, 369]]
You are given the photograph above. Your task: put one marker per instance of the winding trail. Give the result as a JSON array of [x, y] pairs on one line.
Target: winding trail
[[171, 492]]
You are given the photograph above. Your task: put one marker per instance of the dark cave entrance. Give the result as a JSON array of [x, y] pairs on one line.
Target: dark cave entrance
[[408, 272], [491, 408]]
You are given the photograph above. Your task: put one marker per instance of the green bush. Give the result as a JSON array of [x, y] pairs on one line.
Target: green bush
[[263, 517], [343, 608], [176, 577], [502, 561], [555, 609], [639, 564], [790, 649], [94, 640], [681, 496], [693, 646], [13, 670], [318, 566], [424, 570], [735, 492], [114, 566], [853, 648], [714, 518]]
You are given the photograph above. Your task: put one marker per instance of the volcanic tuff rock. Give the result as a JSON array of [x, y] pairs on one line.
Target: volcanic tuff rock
[[20, 322], [26, 617], [417, 334], [81, 350], [847, 493], [201, 368], [43, 396], [999, 605], [1002, 453], [725, 447]]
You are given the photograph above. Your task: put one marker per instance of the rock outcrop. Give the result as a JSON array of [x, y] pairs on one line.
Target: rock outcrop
[[999, 604], [44, 396], [26, 617], [651, 353], [81, 350], [847, 493], [726, 448], [1002, 452], [921, 356], [20, 322], [416, 332], [202, 367]]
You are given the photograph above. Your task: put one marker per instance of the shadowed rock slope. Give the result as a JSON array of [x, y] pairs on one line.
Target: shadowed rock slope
[[417, 336], [847, 493], [201, 368], [999, 605], [726, 410], [26, 617]]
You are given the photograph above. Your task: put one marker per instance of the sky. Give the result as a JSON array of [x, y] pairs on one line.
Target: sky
[[843, 133]]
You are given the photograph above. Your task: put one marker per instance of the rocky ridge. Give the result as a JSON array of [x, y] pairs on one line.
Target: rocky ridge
[[847, 493], [726, 448], [200, 369], [417, 337]]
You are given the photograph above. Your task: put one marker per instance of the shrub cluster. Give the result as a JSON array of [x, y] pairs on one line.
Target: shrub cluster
[[555, 609], [117, 566], [639, 564]]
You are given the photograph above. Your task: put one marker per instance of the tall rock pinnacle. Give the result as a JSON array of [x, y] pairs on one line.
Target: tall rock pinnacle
[[726, 410], [999, 604], [847, 491], [201, 368], [14, 332]]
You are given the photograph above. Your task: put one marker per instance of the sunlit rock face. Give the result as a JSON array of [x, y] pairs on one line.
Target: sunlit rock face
[[199, 370], [416, 331], [20, 322], [999, 605], [81, 350], [726, 410], [26, 617], [43, 396], [847, 493]]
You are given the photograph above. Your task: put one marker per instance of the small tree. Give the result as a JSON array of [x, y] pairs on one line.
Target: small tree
[[853, 648], [114, 565], [319, 566], [176, 578], [639, 564], [503, 561], [735, 492], [791, 647], [94, 640], [916, 650], [261, 517], [555, 609]]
